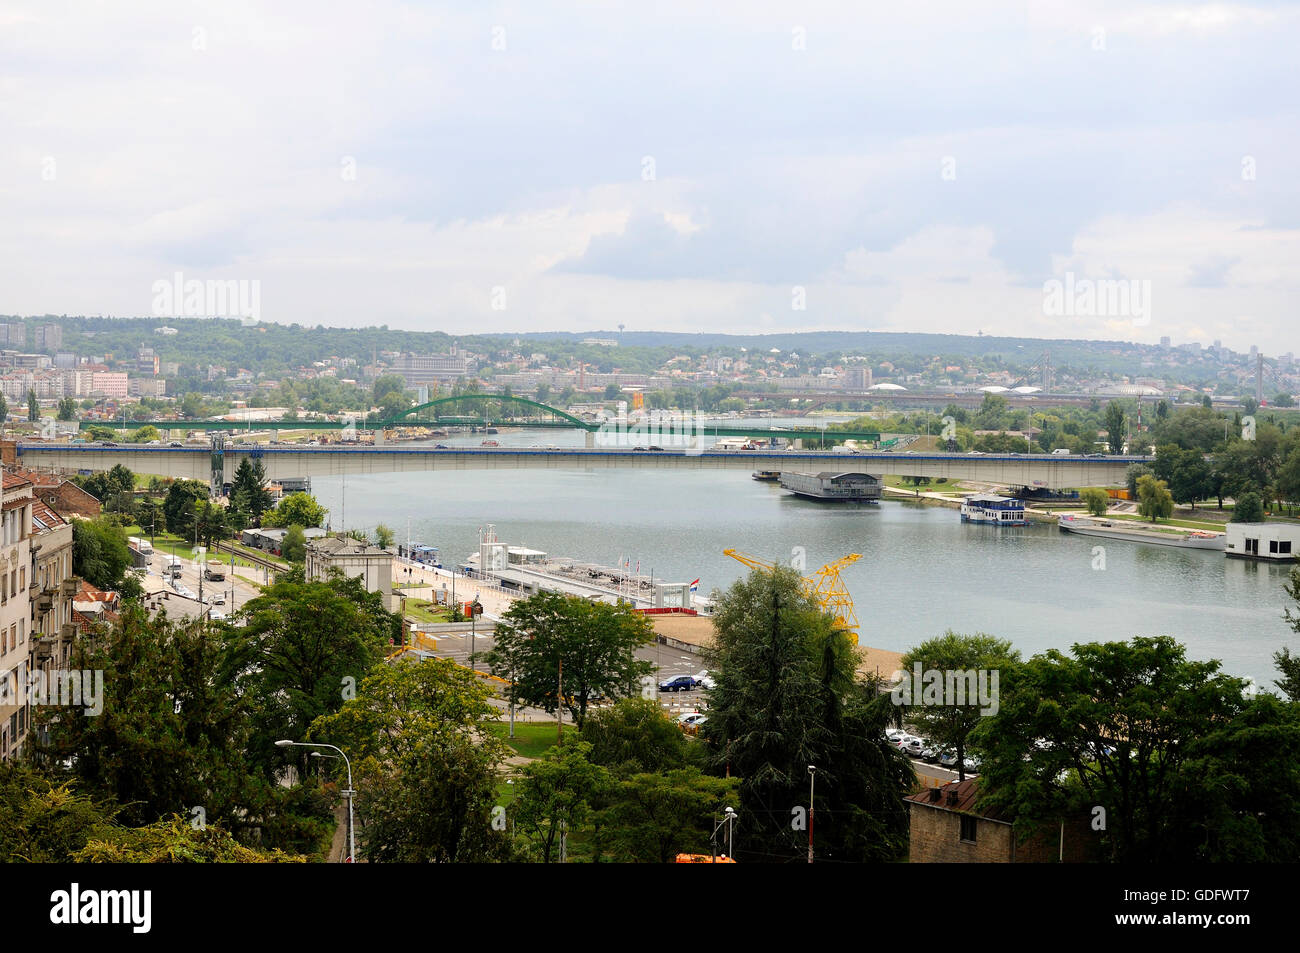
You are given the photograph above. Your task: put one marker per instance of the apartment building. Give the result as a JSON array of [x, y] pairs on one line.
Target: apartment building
[[15, 611]]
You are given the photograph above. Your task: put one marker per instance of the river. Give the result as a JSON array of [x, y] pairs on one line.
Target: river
[[922, 570]]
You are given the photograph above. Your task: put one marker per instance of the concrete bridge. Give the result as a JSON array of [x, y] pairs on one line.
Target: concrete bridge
[[200, 463]]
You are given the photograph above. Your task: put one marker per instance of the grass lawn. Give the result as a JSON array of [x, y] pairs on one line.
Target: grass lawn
[[1170, 523], [532, 738], [420, 611]]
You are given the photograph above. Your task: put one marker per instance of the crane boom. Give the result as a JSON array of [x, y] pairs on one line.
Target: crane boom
[[825, 587]]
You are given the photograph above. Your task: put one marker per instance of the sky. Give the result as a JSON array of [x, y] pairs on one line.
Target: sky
[[726, 167]]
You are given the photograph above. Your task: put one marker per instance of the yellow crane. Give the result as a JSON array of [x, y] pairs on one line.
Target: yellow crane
[[824, 587]]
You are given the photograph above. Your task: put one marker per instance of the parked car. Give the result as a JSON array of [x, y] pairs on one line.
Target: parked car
[[903, 741], [930, 754], [440, 446], [681, 683], [948, 759], [971, 764], [692, 719], [705, 680], [176, 443], [1061, 451], [913, 748]]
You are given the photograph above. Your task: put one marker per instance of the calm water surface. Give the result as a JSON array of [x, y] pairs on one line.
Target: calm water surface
[[922, 571]]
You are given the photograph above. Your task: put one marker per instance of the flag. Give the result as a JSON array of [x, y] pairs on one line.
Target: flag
[[695, 586]]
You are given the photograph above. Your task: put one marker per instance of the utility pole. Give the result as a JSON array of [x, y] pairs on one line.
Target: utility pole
[[559, 706]]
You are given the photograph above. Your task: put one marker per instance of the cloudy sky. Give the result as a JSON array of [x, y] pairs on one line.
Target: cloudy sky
[[725, 166]]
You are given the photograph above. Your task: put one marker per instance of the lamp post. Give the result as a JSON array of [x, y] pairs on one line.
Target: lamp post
[[349, 793], [728, 818], [812, 782]]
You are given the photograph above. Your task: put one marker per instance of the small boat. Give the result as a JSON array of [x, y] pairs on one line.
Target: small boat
[[767, 476], [490, 443]]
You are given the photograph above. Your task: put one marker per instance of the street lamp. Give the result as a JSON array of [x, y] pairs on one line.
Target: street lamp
[[728, 818], [349, 793], [812, 782]]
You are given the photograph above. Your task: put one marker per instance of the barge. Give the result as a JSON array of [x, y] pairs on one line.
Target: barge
[[1106, 529], [833, 486]]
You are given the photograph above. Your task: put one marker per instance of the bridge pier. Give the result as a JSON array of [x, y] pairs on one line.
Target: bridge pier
[[589, 440]]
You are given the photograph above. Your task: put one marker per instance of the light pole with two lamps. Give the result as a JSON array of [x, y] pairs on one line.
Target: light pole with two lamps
[[352, 845]]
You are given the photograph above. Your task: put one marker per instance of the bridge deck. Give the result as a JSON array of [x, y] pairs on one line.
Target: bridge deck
[[1049, 470]]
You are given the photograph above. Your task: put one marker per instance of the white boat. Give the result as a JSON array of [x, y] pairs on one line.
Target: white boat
[[994, 510]]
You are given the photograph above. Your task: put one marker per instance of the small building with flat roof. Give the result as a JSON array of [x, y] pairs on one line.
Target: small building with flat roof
[[1279, 542]]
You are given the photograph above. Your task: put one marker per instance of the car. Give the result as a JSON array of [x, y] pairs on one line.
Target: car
[[1096, 456], [913, 748], [656, 449], [705, 680], [948, 759], [440, 446], [930, 754], [692, 719], [893, 734], [218, 600], [216, 616], [639, 450], [680, 683], [1060, 451], [971, 764], [975, 453], [904, 740], [176, 443]]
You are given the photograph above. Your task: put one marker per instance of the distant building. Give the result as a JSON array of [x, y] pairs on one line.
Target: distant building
[[600, 342], [857, 379], [13, 335], [356, 558], [1165, 341], [147, 387], [166, 332], [49, 337], [421, 370]]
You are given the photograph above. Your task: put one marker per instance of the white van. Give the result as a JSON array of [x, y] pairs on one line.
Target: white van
[[1060, 450]]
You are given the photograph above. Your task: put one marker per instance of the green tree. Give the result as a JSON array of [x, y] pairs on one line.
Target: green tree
[[33, 406], [1115, 423], [1132, 473], [145, 434], [1248, 509], [1186, 472], [947, 709], [388, 384], [787, 697], [613, 392], [67, 409], [1185, 766], [248, 486], [1154, 499], [294, 546], [96, 432], [425, 771], [46, 820], [176, 838], [305, 647], [1283, 400], [299, 509], [633, 736], [650, 817], [593, 643], [179, 505], [554, 796], [101, 556], [1096, 500], [384, 536], [4, 409]]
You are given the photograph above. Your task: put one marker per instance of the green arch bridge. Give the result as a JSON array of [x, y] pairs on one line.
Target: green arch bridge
[[559, 420]]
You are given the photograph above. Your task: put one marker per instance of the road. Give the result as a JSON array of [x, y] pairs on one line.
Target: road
[[233, 591]]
